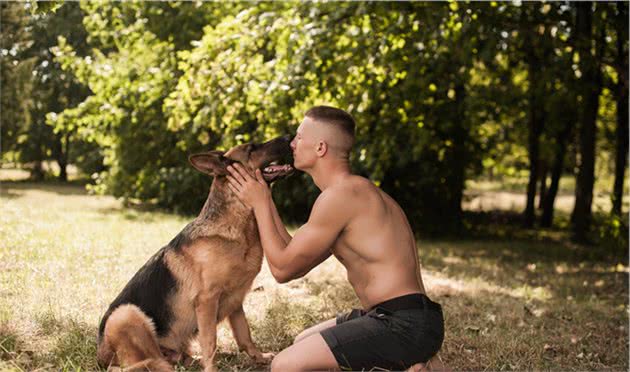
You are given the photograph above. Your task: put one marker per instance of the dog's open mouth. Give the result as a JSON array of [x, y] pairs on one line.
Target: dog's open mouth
[[275, 171]]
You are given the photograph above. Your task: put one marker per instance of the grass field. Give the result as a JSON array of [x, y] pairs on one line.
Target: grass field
[[510, 304]]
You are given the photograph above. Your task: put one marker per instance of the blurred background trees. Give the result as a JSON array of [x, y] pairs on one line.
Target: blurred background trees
[[443, 93]]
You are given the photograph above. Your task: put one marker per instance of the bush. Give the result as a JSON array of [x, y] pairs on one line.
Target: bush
[[612, 234]]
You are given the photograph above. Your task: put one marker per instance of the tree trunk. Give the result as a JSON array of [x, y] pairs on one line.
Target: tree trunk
[[544, 169], [37, 173], [590, 88], [459, 152], [63, 159], [60, 155], [621, 155], [556, 172], [533, 140]]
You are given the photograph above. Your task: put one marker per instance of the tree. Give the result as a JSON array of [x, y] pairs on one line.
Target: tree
[[15, 71], [535, 51], [130, 71], [563, 113], [49, 90], [589, 45], [621, 92]]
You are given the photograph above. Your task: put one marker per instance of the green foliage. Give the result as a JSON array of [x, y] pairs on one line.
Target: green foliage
[[612, 234], [440, 92], [15, 67], [43, 89]]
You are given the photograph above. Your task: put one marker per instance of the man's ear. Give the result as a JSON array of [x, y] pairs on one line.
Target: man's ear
[[322, 148], [212, 163]]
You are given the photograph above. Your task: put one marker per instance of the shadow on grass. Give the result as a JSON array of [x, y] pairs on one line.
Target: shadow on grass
[[485, 330], [142, 213], [490, 331], [10, 343], [73, 346], [13, 189], [508, 225]]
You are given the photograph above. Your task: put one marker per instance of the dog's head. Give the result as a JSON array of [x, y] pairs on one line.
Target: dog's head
[[267, 157]]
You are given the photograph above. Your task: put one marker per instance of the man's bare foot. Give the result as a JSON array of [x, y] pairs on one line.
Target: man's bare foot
[[434, 364]]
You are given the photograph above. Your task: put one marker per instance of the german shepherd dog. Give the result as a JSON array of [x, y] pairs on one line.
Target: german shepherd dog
[[200, 278]]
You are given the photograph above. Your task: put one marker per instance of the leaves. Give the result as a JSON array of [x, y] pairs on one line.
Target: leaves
[[439, 90]]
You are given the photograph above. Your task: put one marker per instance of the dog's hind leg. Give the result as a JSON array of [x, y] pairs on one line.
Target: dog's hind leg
[[105, 355], [131, 336]]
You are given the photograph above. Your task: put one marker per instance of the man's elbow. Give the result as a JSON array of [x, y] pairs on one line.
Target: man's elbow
[[281, 276]]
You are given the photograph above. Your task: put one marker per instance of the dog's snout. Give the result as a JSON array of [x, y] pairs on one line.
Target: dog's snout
[[285, 142]]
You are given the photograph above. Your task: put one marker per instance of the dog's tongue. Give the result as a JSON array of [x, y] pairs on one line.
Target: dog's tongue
[[278, 168]]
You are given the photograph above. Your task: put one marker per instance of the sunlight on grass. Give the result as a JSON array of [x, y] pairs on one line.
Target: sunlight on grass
[[508, 304]]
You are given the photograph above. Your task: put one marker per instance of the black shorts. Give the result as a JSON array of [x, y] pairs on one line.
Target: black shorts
[[393, 335]]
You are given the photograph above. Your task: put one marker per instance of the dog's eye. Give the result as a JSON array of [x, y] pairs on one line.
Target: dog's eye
[[253, 147]]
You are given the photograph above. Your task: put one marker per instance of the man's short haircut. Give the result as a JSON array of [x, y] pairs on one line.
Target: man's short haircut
[[331, 115]]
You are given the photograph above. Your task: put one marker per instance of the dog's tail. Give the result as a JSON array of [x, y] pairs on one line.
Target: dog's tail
[[130, 340]]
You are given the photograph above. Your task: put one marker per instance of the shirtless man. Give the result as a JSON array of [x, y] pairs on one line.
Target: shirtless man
[[366, 230]]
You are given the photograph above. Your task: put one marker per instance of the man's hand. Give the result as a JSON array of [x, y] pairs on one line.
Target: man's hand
[[253, 192]]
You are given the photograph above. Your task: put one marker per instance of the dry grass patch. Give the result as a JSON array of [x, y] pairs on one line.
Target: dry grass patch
[[509, 304]]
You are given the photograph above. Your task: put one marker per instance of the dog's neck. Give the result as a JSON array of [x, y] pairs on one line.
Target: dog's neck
[[222, 202]]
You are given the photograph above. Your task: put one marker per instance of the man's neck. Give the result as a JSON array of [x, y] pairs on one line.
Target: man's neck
[[328, 174]]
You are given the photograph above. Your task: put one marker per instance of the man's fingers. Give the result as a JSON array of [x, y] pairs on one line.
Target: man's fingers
[[236, 175], [259, 176], [234, 182], [241, 172], [234, 190]]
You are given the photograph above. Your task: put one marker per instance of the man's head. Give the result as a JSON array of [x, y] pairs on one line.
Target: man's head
[[325, 132]]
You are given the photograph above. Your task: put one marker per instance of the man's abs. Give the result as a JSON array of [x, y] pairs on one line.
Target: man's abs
[[375, 283]]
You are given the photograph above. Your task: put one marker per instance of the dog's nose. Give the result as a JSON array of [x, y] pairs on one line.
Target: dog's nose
[[287, 137]]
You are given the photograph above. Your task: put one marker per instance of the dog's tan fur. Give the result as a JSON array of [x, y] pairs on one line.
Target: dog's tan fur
[[214, 271]]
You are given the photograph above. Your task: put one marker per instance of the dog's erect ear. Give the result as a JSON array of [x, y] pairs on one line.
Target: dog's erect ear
[[212, 163]]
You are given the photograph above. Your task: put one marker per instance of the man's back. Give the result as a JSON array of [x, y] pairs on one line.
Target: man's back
[[377, 246]]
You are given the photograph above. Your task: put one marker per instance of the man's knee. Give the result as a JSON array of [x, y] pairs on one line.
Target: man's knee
[[315, 329], [282, 362]]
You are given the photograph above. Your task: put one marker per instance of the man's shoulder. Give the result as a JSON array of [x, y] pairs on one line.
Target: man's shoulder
[[352, 185], [348, 195]]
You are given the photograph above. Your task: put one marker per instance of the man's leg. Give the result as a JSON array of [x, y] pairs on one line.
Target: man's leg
[[310, 354], [315, 329]]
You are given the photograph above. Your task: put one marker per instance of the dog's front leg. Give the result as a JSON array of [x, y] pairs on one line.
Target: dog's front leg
[[206, 309], [240, 329]]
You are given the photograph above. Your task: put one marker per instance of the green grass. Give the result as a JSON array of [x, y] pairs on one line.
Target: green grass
[[517, 302]]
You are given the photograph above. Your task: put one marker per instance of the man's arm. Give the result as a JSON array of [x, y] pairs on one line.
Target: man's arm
[[282, 230], [294, 257], [311, 243]]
